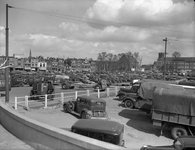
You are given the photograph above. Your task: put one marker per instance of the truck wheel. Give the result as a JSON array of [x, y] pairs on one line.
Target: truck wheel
[[178, 131], [83, 115], [129, 104]]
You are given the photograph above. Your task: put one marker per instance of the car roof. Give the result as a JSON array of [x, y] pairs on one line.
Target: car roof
[[187, 141], [92, 98], [100, 126]]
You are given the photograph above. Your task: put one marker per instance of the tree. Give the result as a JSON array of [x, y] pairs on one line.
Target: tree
[[102, 56], [176, 54]]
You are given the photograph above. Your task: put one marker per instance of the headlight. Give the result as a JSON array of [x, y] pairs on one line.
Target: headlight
[[145, 147], [177, 144], [89, 114]]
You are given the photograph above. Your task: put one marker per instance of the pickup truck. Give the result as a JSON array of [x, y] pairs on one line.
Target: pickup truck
[[175, 109]]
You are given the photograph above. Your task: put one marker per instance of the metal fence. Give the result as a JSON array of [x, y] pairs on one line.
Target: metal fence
[[25, 101]]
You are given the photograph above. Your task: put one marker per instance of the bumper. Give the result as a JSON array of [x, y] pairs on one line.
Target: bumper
[[102, 118]]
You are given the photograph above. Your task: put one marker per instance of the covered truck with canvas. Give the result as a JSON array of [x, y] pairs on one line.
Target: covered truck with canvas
[[175, 109]]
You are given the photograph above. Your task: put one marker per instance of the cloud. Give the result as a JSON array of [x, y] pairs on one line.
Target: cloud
[[137, 12]]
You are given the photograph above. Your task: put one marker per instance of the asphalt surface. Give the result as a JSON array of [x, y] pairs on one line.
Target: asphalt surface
[[10, 142]]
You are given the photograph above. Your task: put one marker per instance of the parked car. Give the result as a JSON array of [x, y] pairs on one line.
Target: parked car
[[67, 85], [124, 91], [104, 130], [102, 85], [87, 107], [39, 90], [181, 143]]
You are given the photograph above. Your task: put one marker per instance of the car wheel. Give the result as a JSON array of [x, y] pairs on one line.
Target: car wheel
[[129, 104], [65, 108], [83, 115], [71, 106], [64, 86], [178, 131]]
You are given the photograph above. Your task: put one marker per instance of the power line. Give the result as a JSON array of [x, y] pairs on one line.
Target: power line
[[181, 40], [97, 22]]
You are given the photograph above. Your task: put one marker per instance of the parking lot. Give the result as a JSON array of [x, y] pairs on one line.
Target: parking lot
[[138, 127]]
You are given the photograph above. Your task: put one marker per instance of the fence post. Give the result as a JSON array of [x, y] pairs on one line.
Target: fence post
[[116, 90], [98, 93], [87, 92], [45, 101], [108, 94], [26, 102], [62, 97], [15, 104], [76, 94]]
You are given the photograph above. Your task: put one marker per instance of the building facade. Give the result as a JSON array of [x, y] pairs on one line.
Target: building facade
[[174, 64]]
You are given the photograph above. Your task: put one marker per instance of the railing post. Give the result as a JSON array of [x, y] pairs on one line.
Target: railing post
[[26, 102], [16, 103], [45, 101], [98, 93], [87, 92], [108, 94], [62, 97], [116, 90], [76, 94]]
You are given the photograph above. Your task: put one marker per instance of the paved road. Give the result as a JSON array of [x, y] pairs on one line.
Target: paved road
[[10, 142]]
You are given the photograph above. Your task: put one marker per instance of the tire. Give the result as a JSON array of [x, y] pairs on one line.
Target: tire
[[83, 115], [97, 87], [178, 131], [65, 108], [71, 106], [129, 104], [64, 86]]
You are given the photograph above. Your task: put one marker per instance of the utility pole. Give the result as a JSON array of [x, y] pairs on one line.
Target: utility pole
[[7, 57], [164, 74]]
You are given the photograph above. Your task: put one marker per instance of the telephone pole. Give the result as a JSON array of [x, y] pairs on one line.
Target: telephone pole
[[164, 74], [7, 78]]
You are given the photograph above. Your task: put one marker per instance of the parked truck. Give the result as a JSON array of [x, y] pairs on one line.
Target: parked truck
[[140, 95], [175, 109]]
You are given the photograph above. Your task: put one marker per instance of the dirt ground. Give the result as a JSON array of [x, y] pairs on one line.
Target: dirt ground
[[138, 127]]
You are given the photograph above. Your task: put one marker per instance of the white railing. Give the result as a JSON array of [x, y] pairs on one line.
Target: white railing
[[63, 96]]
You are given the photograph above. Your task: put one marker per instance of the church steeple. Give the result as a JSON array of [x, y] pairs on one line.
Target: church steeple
[[30, 56]]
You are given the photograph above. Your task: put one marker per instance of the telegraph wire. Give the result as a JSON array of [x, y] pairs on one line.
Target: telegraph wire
[[177, 40]]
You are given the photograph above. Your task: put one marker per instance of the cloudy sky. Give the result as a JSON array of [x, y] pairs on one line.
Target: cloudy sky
[[84, 28]]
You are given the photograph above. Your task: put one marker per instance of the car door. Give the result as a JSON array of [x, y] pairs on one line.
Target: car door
[[80, 104]]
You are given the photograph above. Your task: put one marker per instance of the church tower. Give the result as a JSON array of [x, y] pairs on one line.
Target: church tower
[[30, 56]]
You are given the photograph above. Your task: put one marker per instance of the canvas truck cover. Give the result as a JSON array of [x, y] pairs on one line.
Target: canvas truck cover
[[174, 101], [147, 87]]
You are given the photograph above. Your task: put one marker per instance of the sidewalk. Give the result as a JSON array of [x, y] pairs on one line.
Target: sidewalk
[[10, 142]]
